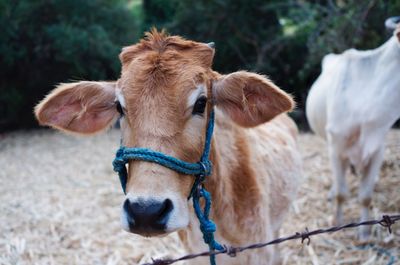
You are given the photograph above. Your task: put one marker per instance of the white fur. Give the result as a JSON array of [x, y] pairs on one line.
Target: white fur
[[120, 97], [124, 220], [200, 89]]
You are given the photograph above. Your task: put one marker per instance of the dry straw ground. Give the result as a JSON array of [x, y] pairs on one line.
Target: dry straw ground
[[60, 203]]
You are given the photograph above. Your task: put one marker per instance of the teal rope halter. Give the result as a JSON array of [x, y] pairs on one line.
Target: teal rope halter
[[200, 170]]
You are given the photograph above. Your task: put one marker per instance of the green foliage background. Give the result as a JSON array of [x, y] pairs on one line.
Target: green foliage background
[[45, 42]]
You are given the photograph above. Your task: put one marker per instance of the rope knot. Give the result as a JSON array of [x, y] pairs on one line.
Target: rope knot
[[118, 164], [206, 167], [119, 161], [208, 226]]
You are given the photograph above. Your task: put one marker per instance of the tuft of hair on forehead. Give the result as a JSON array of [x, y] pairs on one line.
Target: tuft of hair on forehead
[[160, 42], [155, 40]]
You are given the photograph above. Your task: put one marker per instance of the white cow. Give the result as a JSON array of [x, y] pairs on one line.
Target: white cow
[[353, 104]]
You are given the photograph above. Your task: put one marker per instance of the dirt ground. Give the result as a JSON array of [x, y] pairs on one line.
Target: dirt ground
[[60, 204]]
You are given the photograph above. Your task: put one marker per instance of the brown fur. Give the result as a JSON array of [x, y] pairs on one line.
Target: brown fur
[[244, 180], [255, 170], [83, 107], [243, 96]]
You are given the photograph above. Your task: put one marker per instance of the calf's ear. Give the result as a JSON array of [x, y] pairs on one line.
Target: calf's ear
[[82, 107], [250, 99]]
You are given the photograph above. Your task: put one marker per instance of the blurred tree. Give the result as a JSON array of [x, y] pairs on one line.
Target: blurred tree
[[45, 42], [283, 39], [158, 13], [244, 31]]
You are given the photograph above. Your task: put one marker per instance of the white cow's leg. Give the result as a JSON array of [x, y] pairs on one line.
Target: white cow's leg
[[370, 174], [339, 185]]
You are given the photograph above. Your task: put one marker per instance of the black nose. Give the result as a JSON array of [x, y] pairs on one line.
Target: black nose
[[147, 215]]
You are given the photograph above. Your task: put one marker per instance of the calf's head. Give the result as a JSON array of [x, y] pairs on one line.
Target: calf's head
[[162, 98]]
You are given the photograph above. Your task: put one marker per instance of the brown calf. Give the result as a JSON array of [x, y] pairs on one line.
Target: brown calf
[[165, 89]]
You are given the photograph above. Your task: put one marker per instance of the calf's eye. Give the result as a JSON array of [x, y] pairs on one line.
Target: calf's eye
[[199, 106], [119, 108]]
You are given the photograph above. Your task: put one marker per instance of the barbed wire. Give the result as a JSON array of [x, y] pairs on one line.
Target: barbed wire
[[386, 221]]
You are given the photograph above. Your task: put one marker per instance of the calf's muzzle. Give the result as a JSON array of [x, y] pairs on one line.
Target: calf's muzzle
[[147, 216]]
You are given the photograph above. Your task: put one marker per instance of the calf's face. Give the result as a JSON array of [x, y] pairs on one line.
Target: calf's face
[[162, 98]]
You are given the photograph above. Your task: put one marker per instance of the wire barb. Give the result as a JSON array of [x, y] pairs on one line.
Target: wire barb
[[305, 235], [386, 221], [230, 251]]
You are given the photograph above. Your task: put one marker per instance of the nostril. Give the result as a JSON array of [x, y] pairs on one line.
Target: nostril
[[166, 208], [128, 209]]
